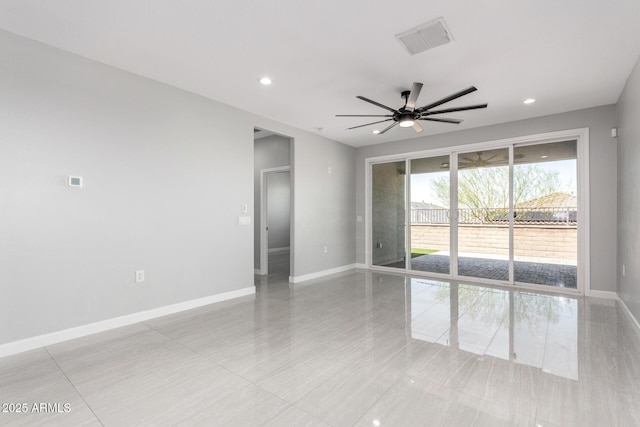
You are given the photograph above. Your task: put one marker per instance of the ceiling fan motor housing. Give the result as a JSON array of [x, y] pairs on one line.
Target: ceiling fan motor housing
[[408, 115]]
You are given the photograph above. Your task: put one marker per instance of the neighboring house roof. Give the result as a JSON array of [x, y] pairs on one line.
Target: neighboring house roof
[[553, 200]]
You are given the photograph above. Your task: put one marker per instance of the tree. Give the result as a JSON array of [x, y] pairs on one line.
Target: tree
[[485, 191]]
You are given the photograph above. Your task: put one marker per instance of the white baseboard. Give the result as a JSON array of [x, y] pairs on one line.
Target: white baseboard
[[279, 250], [629, 314], [362, 266], [602, 294], [117, 322], [310, 276]]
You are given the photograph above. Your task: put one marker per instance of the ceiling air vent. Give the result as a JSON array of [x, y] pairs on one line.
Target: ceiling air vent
[[425, 36]]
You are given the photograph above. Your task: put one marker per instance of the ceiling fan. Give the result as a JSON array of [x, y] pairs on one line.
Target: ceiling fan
[[480, 162], [408, 115], [467, 161]]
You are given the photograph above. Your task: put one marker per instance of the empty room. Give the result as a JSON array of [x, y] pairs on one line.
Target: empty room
[[285, 213]]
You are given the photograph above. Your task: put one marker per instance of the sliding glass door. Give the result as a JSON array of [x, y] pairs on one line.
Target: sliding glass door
[[546, 214], [388, 214], [430, 214], [483, 214], [502, 214]]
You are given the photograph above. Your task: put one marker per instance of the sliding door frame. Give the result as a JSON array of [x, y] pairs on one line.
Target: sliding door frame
[[581, 136]]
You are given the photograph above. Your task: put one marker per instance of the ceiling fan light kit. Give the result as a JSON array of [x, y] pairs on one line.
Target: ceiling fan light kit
[[408, 115]]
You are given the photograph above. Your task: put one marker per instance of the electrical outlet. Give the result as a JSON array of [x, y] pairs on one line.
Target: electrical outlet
[[326, 249], [624, 271], [139, 276]]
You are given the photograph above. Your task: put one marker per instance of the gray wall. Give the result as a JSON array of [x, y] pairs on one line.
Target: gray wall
[[269, 152], [628, 192], [166, 174], [324, 212], [602, 151]]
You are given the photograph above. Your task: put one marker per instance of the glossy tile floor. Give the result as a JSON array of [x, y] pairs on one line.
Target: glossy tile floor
[[355, 349]]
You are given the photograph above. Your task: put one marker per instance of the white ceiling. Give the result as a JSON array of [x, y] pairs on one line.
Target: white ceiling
[[568, 54]]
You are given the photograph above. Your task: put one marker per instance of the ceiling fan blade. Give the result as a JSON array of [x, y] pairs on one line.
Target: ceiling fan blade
[[376, 103], [364, 115], [443, 120], [413, 96], [387, 128], [417, 127], [368, 124], [454, 109], [448, 98]]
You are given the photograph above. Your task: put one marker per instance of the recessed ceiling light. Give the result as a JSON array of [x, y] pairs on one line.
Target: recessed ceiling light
[[375, 131], [265, 81], [529, 101]]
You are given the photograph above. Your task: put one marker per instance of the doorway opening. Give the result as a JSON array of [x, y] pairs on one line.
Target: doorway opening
[[273, 205]]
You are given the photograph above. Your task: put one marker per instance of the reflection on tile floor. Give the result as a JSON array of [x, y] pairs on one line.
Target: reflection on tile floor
[[355, 349]]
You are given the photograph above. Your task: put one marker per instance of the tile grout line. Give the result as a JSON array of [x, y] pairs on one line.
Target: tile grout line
[[213, 362], [495, 334], [391, 386], [279, 413], [311, 415], [250, 383], [72, 385], [544, 353]]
